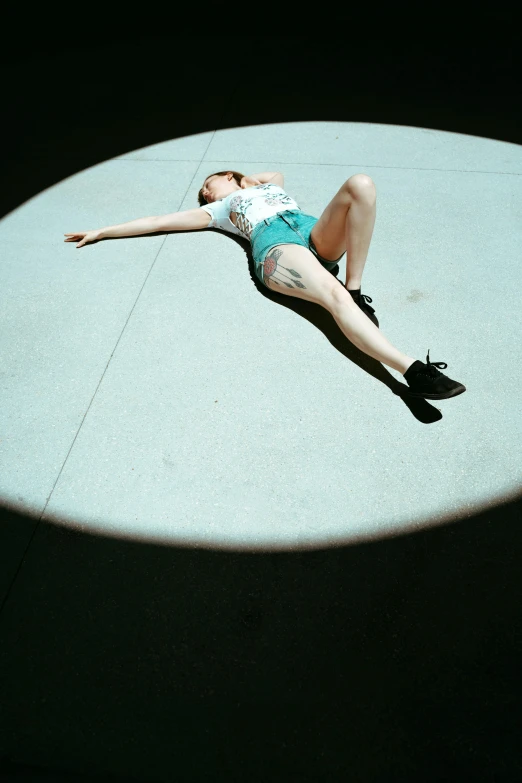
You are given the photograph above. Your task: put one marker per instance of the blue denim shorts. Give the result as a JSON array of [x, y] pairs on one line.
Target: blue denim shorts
[[290, 227]]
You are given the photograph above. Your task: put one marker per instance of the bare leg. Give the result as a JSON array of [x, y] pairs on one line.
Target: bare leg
[[366, 336], [360, 221], [287, 265], [347, 224]]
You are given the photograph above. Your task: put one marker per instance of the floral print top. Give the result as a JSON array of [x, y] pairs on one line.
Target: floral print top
[[241, 211]]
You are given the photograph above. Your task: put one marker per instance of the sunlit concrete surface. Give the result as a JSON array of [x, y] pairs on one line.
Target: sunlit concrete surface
[[150, 390]]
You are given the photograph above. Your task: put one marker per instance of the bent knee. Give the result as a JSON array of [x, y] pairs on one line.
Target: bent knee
[[361, 186], [339, 295]]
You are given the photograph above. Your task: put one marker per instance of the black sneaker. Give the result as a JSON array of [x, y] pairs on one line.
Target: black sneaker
[[426, 381], [362, 300]]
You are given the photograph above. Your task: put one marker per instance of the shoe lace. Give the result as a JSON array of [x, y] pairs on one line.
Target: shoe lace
[[365, 299], [440, 365]]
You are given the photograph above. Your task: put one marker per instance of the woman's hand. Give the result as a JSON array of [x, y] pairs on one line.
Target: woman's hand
[[84, 236], [249, 182]]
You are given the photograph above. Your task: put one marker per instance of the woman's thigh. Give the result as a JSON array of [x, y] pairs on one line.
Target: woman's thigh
[[295, 271]]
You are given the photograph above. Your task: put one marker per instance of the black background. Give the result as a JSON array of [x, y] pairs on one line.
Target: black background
[[395, 660]]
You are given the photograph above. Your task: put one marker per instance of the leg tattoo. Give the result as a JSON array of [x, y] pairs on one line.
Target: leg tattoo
[[271, 268]]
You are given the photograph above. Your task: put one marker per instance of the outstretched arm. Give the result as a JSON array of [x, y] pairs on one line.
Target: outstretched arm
[[188, 220]]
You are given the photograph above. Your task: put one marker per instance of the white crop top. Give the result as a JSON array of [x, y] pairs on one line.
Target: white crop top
[[241, 211]]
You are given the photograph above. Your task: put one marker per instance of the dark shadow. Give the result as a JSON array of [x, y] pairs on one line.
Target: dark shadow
[[138, 96], [397, 659]]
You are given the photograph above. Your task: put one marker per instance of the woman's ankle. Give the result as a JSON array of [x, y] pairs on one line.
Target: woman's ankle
[[407, 364]]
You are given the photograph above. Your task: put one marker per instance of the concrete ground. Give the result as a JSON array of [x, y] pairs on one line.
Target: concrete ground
[[152, 392]]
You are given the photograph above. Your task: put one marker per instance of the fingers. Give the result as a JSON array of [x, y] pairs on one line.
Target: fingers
[[75, 237]]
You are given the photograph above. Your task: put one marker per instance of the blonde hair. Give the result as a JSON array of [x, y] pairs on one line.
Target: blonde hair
[[237, 176]]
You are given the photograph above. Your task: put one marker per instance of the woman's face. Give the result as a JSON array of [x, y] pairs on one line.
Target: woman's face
[[217, 187]]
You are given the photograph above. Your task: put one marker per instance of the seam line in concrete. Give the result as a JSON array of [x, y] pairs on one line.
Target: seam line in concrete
[[307, 163], [22, 559]]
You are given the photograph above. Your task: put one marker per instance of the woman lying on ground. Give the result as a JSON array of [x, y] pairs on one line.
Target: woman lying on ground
[[293, 254]]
